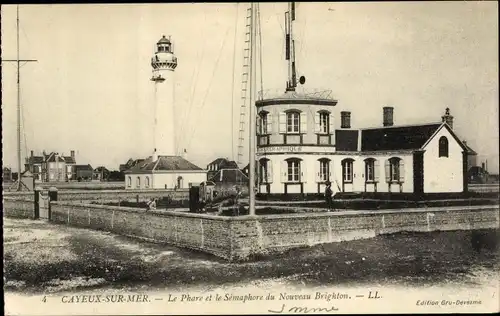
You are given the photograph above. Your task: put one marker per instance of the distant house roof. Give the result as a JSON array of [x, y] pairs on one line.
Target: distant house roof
[[224, 163], [163, 163], [6, 169], [83, 167], [69, 159], [346, 140], [52, 158], [101, 168], [229, 176], [35, 159]]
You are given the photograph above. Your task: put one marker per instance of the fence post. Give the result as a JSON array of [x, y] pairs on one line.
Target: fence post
[[36, 210], [52, 197]]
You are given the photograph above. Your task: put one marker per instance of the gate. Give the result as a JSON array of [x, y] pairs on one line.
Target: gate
[[44, 205]]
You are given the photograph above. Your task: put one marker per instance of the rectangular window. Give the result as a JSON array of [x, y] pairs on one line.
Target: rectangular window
[[324, 123], [395, 170], [293, 171], [263, 172], [293, 121], [263, 124], [347, 171], [324, 170], [370, 171]]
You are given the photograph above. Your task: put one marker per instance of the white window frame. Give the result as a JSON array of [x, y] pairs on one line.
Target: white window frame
[[395, 170], [293, 122], [370, 170], [138, 184], [293, 170], [263, 123], [129, 181], [146, 182], [324, 123], [324, 170], [347, 171]]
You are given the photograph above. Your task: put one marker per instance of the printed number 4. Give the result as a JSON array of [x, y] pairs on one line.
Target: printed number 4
[[44, 299]]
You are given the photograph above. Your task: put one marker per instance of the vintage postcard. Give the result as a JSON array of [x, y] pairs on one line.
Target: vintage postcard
[[250, 158]]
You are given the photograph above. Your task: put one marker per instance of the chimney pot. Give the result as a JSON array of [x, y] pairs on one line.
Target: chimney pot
[[345, 119], [447, 118], [32, 153], [73, 154], [388, 116]]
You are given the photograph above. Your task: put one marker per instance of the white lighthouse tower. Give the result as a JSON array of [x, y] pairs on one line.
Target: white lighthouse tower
[[165, 168], [164, 63]]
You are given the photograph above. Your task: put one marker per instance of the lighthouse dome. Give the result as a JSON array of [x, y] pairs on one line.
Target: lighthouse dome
[[164, 40]]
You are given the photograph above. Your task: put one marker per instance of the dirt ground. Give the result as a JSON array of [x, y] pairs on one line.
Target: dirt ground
[[44, 257]]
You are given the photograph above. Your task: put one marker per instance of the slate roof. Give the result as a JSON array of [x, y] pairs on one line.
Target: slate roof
[[346, 140], [35, 159], [69, 160], [164, 163], [83, 167], [410, 137], [229, 176]]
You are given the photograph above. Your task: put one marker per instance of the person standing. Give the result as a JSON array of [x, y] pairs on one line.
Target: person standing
[[329, 196]]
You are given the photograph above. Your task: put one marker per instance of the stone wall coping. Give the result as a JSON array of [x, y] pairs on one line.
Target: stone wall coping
[[349, 213], [140, 210], [64, 191], [17, 199]]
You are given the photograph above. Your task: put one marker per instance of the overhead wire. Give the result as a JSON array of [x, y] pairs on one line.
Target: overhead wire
[[260, 49], [183, 131], [208, 89]]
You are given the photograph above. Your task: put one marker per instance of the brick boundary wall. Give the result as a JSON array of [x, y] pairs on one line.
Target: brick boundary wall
[[18, 208], [244, 237]]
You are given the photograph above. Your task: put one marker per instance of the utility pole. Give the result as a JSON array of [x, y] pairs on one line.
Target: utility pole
[[19, 184]]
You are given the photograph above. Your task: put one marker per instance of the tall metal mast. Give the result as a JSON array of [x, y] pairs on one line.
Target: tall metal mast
[[290, 47], [251, 120], [18, 183]]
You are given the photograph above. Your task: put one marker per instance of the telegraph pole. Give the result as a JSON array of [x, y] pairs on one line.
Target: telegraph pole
[[18, 61]]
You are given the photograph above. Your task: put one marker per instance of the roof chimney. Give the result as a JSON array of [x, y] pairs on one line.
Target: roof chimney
[[73, 154], [448, 118], [32, 153], [345, 119], [388, 116]]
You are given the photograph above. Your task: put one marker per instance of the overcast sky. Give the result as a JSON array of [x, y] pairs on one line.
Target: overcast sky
[[90, 90]]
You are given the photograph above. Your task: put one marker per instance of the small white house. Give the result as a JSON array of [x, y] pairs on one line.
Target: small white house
[[167, 172]]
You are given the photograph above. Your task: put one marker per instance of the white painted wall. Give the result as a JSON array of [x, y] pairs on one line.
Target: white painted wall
[[310, 169], [443, 174], [159, 180]]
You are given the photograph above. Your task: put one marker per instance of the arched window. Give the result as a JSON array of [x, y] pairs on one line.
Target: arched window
[[394, 170], [371, 170], [146, 182], [443, 146], [347, 170], [324, 170], [293, 122], [129, 181], [138, 184], [265, 171]]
